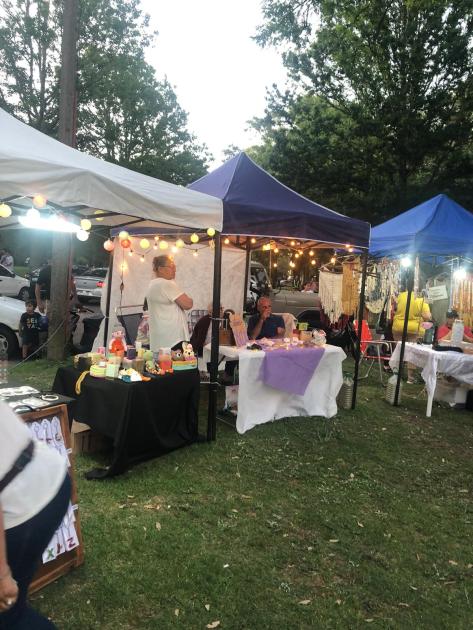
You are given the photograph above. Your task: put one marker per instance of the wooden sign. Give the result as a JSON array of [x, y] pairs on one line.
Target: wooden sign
[[65, 549], [239, 329]]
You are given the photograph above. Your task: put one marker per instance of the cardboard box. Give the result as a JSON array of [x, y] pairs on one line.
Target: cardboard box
[[85, 440]]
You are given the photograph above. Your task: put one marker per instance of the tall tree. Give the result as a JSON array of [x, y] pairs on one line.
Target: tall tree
[[124, 113], [399, 71]]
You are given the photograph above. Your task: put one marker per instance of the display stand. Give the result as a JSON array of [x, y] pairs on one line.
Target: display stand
[[63, 563]]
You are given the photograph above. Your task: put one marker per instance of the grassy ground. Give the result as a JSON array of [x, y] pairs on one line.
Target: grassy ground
[[303, 523]]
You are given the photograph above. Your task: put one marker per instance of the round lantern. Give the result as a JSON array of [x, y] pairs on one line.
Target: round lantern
[[85, 224], [211, 232], [194, 238], [33, 215], [39, 201], [82, 235], [163, 244], [144, 243], [5, 210], [125, 243], [123, 235], [109, 246], [180, 243]]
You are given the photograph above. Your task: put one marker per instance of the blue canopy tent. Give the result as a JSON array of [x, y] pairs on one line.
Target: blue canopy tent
[[437, 227], [255, 204]]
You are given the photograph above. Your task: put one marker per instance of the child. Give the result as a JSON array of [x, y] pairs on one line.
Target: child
[[29, 329]]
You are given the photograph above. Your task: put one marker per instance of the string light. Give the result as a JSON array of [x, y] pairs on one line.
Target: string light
[[276, 250], [180, 243], [123, 267], [211, 232], [5, 211], [144, 243], [194, 238], [293, 243], [174, 249], [125, 243], [275, 265], [33, 215], [296, 255], [311, 253], [350, 249], [195, 253], [333, 260], [130, 253], [109, 245], [39, 201], [142, 259], [163, 245], [312, 262], [300, 252], [82, 235], [253, 240], [85, 224], [155, 246], [156, 238], [227, 241]]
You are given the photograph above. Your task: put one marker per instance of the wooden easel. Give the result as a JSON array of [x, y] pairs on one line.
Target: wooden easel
[[64, 562]]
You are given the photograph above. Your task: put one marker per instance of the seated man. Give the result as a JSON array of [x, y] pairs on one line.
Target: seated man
[[444, 332], [264, 323]]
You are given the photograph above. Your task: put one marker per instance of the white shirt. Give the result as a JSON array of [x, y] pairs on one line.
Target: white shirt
[[38, 483], [167, 321]]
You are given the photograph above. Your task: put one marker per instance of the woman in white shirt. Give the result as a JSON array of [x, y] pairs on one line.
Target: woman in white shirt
[[167, 304], [34, 496]]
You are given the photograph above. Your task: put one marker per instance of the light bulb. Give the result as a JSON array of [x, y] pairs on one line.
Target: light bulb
[[333, 260], [123, 235], [350, 249], [39, 201], [144, 243], [312, 262], [211, 232], [109, 245], [311, 253], [142, 259], [82, 235], [180, 243], [163, 244], [275, 265], [33, 214], [253, 240], [195, 254], [276, 250], [174, 249], [227, 241], [130, 253], [85, 224], [459, 274], [296, 255], [293, 243], [5, 211], [194, 238], [155, 247]]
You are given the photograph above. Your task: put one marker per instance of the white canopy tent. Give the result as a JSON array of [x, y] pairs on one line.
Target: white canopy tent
[[32, 163]]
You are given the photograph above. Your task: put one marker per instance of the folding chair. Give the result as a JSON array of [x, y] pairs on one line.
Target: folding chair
[[129, 321], [373, 350]]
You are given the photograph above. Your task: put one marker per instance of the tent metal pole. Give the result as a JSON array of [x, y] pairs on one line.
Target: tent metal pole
[[109, 294], [213, 385], [247, 271], [410, 286], [361, 308]]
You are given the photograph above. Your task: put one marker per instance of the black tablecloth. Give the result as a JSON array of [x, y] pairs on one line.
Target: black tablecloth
[[144, 419]]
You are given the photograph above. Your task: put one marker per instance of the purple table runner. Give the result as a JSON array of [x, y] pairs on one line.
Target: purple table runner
[[290, 370]]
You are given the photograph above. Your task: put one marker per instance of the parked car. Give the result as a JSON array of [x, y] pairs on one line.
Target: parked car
[[12, 285], [33, 277], [10, 312], [89, 286]]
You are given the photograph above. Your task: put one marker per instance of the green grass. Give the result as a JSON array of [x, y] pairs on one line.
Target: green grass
[[366, 518]]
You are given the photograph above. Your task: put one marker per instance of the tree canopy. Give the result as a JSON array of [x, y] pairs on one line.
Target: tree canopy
[[381, 117]]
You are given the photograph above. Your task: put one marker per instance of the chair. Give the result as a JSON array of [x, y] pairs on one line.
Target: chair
[[129, 321], [193, 317], [373, 350], [289, 321]]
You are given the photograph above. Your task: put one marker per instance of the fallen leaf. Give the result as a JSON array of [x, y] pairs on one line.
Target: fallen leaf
[[359, 524], [144, 528], [158, 526], [214, 624], [130, 496], [246, 496], [338, 601], [369, 620], [352, 476], [469, 566], [123, 505], [453, 562], [88, 601], [176, 612], [309, 548], [304, 602], [404, 604], [334, 540], [238, 475], [236, 511], [207, 606], [225, 566], [414, 588]]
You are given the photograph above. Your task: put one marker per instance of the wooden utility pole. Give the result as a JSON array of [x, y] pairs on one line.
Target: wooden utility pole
[[61, 249]]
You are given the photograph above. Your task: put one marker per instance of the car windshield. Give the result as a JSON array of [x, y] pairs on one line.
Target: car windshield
[[99, 272]]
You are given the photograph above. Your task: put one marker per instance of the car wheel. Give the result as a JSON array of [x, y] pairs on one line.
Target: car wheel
[[8, 341], [24, 294]]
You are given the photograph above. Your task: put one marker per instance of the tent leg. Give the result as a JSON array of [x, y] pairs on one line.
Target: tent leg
[[410, 286], [361, 308], [213, 386], [247, 272], [109, 294]]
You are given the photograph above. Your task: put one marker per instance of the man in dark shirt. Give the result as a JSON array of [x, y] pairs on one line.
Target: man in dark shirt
[[264, 323]]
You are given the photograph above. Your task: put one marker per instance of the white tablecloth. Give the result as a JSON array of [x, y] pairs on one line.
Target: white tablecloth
[[258, 403], [455, 364]]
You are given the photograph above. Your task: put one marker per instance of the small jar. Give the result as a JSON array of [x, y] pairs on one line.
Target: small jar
[[165, 359]]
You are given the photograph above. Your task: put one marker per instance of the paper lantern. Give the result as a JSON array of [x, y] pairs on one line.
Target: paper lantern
[[123, 235], [109, 246], [85, 224], [39, 201], [180, 243], [194, 238], [33, 214], [163, 245], [144, 243], [125, 243], [5, 210], [82, 235], [211, 232]]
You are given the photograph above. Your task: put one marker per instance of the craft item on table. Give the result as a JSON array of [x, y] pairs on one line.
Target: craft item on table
[[129, 376], [153, 368], [239, 329], [148, 355], [350, 287], [176, 355], [382, 285], [101, 350], [115, 359], [111, 370], [303, 326], [142, 334], [330, 293], [254, 346], [117, 342], [138, 365], [305, 336], [164, 359], [319, 338], [23, 390], [290, 371], [131, 352], [188, 351], [98, 371], [462, 299], [127, 363]]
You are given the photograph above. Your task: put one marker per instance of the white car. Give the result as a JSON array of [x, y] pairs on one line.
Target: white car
[[13, 285], [10, 312]]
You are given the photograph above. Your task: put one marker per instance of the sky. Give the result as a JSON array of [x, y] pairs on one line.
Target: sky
[[219, 74]]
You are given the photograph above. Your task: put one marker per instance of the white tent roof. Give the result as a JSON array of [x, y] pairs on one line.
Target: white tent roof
[[32, 163]]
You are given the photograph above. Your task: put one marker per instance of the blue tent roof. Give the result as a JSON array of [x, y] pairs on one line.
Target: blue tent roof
[[256, 204], [438, 226]]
